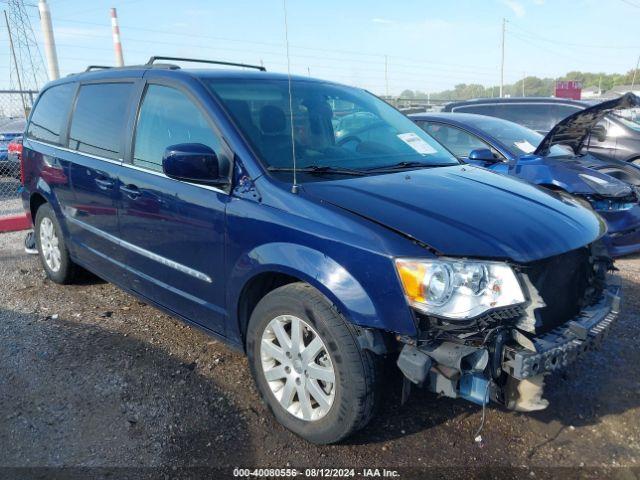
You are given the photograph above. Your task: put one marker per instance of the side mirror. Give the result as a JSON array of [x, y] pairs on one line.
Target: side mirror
[[192, 162], [599, 132], [482, 155]]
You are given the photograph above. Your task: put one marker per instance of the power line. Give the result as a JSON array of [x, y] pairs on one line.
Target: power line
[[629, 2], [555, 41], [378, 56]]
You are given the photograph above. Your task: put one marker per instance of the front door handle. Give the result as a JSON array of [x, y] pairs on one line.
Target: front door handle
[[104, 184], [132, 191]]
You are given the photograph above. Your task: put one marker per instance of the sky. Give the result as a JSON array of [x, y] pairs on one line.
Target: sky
[[427, 45]]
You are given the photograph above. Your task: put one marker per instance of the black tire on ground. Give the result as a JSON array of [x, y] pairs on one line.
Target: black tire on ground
[[67, 271], [356, 369]]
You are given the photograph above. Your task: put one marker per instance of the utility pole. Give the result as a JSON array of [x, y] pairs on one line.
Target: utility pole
[[633, 82], [504, 29], [49, 41], [386, 75], [600, 86], [15, 63], [115, 32]]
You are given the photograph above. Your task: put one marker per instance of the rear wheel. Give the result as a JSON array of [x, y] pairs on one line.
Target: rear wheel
[[52, 247], [308, 366]]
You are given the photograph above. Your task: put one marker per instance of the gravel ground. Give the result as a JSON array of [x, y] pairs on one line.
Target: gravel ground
[[90, 376]]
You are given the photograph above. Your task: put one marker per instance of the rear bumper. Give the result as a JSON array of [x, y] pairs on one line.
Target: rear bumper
[[565, 344]]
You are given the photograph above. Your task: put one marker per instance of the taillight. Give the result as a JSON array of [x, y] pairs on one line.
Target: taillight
[[16, 147]]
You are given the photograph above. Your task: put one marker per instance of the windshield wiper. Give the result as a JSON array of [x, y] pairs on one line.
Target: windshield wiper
[[320, 170], [408, 165]]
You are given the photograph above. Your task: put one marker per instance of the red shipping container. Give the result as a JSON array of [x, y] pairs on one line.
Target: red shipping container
[[569, 89]]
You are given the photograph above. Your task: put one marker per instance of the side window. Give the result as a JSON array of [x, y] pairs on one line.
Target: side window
[[168, 117], [458, 141], [100, 118], [50, 115]]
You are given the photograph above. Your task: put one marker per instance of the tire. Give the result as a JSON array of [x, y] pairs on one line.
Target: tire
[[354, 390], [52, 247]]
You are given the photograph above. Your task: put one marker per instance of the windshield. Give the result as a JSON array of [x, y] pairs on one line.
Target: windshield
[[335, 127], [518, 139]]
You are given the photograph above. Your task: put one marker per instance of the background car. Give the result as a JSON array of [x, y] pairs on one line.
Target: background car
[[512, 149], [615, 136], [10, 130]]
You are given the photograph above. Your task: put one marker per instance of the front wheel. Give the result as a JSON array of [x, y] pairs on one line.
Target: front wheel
[[308, 366]]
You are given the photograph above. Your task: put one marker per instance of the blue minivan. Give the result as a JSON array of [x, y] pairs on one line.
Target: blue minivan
[[227, 198]]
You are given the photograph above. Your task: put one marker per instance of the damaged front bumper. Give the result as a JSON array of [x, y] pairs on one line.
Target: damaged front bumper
[[563, 345], [510, 368]]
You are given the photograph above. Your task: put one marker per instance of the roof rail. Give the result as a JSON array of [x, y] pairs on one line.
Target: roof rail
[[214, 62], [96, 67]]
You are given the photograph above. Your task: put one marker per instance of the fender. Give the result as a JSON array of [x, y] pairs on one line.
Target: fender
[[547, 173], [322, 272]]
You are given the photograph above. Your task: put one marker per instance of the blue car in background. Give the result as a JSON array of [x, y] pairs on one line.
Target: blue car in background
[[611, 188]]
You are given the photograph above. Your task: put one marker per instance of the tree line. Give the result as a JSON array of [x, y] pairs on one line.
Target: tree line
[[533, 86]]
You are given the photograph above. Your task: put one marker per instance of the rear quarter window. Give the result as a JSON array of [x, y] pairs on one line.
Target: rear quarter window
[[50, 114], [100, 118]]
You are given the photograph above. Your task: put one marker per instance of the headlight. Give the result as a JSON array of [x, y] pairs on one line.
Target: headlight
[[458, 289]]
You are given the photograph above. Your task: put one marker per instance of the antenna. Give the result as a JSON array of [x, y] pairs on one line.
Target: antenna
[[294, 187]]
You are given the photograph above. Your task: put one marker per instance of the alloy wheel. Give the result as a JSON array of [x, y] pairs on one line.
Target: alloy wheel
[[298, 367], [50, 245]]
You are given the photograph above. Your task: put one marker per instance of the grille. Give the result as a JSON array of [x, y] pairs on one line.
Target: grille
[[565, 282]]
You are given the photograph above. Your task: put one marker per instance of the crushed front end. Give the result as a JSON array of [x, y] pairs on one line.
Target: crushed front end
[[570, 302], [619, 205]]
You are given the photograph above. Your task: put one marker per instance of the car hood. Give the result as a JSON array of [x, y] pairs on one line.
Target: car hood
[[574, 130], [466, 211]]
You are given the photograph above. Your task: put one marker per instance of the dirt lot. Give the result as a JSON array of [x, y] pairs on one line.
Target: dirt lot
[[90, 376]]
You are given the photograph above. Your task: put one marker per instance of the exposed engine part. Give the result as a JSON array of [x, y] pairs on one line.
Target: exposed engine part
[[463, 358], [414, 364], [496, 352], [475, 388], [372, 340], [444, 381], [526, 395]]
